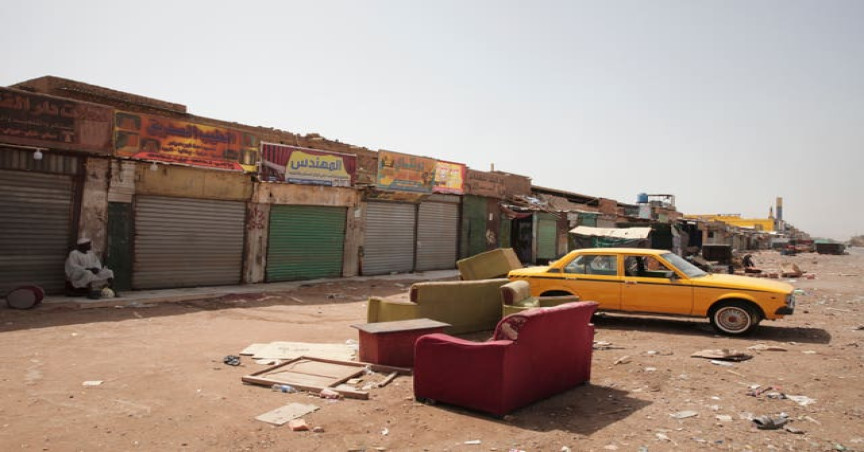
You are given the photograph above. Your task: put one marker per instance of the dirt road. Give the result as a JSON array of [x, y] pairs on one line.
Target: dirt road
[[165, 387]]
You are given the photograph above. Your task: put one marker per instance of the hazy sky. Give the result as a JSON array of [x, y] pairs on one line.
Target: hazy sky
[[725, 104]]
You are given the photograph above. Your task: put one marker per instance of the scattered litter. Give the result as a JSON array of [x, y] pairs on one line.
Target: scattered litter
[[662, 437], [801, 400], [92, 383], [724, 418], [765, 347], [318, 429], [283, 388], [231, 360], [722, 354], [757, 391], [268, 361], [295, 299], [721, 363], [809, 352], [650, 369], [327, 393], [603, 345], [859, 328], [794, 430], [298, 425], [281, 415], [385, 431], [838, 309], [684, 414], [622, 360], [810, 419], [769, 422], [472, 442]]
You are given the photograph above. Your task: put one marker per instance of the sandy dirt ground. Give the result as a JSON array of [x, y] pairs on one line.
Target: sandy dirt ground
[[165, 387]]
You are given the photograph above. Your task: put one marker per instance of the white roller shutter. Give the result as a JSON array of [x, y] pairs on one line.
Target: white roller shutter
[[437, 233], [389, 243], [182, 242]]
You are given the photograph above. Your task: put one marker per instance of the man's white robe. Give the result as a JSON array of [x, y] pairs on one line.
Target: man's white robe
[[77, 272]]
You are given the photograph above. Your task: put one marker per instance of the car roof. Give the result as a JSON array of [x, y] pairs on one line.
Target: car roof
[[621, 251]]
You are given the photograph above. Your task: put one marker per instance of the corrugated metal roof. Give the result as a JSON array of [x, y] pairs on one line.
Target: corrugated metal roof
[[623, 233]]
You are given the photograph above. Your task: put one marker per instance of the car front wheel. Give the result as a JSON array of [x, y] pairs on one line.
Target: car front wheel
[[734, 318]]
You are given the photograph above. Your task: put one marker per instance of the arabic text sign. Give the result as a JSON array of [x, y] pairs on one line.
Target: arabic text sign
[[306, 166], [157, 138], [37, 120], [449, 178], [405, 172]]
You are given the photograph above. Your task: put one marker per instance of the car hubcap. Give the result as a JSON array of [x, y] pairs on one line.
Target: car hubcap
[[733, 319]]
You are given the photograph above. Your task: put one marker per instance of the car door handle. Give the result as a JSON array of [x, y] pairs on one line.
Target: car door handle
[[631, 282]]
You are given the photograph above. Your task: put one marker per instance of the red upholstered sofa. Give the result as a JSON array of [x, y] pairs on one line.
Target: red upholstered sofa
[[533, 355]]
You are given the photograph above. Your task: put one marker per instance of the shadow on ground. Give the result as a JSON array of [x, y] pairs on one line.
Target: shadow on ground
[[582, 410], [46, 316], [766, 331]]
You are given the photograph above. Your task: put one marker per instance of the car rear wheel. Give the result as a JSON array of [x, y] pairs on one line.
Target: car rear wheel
[[734, 318]]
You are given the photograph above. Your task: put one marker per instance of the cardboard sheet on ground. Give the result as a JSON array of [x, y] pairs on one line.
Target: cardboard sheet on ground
[[283, 414], [292, 350], [722, 355]]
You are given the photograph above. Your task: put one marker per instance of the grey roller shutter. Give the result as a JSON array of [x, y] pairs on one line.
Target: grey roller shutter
[[182, 242], [35, 229], [305, 242], [437, 233], [389, 243]]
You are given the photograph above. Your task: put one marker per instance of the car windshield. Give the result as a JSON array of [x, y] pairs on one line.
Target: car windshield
[[680, 263]]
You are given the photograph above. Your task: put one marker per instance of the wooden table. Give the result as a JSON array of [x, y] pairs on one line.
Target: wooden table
[[392, 343]]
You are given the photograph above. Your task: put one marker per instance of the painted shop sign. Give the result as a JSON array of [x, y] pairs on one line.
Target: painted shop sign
[[148, 137], [449, 178], [403, 172], [282, 163], [481, 183], [44, 121]]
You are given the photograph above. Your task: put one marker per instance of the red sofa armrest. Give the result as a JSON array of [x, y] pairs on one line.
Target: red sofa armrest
[[453, 370]]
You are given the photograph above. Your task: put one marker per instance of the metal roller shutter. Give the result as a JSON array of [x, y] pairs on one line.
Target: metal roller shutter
[[437, 233], [182, 242], [305, 242], [389, 238], [36, 212]]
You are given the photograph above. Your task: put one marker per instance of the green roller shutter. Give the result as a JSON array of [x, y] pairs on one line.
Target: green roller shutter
[[306, 242], [547, 232], [473, 225]]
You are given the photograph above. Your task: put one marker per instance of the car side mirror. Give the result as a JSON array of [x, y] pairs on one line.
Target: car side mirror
[[672, 275], [554, 270]]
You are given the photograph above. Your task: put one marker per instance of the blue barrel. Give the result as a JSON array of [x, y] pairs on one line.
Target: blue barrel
[[642, 198]]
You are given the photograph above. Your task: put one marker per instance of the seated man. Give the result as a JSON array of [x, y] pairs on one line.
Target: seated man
[[84, 271]]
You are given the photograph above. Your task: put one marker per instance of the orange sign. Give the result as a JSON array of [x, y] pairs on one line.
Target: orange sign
[[150, 137]]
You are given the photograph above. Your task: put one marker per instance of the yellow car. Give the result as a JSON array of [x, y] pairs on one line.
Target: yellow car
[[661, 282]]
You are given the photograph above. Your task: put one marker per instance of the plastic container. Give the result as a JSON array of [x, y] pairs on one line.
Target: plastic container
[[283, 388]]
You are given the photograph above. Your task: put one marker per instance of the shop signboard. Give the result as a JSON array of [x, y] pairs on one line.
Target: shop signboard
[[283, 163], [49, 122], [149, 137], [449, 178], [404, 172]]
